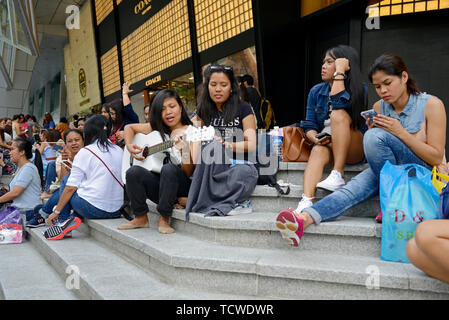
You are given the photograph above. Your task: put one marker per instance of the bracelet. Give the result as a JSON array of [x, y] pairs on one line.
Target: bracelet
[[56, 211]]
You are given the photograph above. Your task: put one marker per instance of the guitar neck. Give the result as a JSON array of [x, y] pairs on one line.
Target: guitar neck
[[161, 147]]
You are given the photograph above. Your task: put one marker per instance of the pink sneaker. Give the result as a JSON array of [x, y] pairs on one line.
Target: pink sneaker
[[290, 226], [379, 217]]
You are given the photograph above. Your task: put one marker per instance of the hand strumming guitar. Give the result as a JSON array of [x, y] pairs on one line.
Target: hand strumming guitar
[[135, 150]]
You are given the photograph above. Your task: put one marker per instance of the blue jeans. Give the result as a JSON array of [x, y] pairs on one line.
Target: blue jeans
[[80, 206], [50, 174], [379, 146]]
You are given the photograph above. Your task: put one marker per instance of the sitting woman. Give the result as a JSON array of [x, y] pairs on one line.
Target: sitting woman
[[94, 189], [224, 188], [429, 249], [334, 107], [3, 143], [46, 146], [48, 122], [121, 113], [25, 187], [74, 141], [168, 117], [410, 128]]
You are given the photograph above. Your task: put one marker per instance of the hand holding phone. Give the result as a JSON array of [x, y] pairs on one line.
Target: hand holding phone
[[323, 136], [369, 115]]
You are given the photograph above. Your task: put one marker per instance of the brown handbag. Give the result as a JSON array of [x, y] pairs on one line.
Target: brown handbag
[[296, 146]]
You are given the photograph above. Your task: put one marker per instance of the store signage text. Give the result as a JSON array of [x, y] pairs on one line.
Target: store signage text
[[153, 80], [142, 7]]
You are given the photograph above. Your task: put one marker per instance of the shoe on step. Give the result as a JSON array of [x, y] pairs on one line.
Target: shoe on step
[[332, 182]]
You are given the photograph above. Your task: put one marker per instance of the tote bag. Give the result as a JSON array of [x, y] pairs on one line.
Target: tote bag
[[407, 198], [11, 225]]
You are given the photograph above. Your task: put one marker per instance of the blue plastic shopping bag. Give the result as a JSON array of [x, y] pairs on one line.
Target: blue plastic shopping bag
[[407, 198]]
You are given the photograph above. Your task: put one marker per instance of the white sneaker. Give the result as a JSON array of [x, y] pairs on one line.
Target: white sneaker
[[244, 207], [305, 202], [332, 182]]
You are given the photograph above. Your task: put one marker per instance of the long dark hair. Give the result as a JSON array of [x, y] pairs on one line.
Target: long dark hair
[[156, 111], [26, 145], [98, 127], [207, 108], [354, 82], [393, 65], [117, 106]]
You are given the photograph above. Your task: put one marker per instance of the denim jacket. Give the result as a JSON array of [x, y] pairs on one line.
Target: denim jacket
[[318, 106]]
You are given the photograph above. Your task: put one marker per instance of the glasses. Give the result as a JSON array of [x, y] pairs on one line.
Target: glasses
[[221, 68]]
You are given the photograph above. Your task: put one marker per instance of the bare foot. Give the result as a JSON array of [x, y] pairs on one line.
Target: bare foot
[[163, 226], [137, 222], [182, 201]]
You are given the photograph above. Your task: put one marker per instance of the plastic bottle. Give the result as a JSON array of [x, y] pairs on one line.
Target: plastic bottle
[[277, 138]]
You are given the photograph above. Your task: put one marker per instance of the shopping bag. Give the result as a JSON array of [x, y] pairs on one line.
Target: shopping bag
[[11, 226], [443, 211], [439, 180], [407, 198]]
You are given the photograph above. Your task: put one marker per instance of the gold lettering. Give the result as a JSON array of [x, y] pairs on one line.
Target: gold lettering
[[142, 7], [153, 80]]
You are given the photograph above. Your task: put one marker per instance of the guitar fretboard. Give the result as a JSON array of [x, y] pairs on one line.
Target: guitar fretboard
[[160, 147]]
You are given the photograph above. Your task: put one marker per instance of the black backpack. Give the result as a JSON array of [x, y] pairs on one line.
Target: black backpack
[[267, 163]]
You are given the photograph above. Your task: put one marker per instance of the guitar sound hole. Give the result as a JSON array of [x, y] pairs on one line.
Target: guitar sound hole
[[146, 152]]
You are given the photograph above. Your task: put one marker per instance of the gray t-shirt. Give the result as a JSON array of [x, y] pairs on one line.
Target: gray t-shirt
[[28, 178]]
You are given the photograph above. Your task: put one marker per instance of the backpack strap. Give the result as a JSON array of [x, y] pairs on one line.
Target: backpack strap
[[279, 189]]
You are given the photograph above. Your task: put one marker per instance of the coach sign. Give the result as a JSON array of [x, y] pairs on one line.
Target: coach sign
[[134, 13]]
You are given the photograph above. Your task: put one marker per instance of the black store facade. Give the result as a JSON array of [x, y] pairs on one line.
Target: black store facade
[[160, 43]]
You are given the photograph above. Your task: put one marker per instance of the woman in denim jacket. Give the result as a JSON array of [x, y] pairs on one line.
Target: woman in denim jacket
[[333, 107], [410, 128]]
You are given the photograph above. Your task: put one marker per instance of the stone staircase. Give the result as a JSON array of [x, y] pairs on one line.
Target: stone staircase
[[219, 258]]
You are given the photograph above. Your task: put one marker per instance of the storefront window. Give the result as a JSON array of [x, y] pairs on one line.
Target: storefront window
[[242, 62], [395, 7], [184, 85]]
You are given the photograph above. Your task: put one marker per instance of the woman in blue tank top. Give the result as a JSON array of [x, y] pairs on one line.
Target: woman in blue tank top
[[410, 128]]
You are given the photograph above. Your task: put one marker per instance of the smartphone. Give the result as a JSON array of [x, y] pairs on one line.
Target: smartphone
[[322, 136], [37, 138], [369, 115]]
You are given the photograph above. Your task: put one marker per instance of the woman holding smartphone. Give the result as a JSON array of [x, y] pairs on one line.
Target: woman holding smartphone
[[333, 122], [74, 142], [410, 128]]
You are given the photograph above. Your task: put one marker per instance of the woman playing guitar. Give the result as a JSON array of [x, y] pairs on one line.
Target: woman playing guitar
[[169, 117]]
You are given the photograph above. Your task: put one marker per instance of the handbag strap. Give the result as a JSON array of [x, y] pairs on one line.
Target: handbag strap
[[106, 167]]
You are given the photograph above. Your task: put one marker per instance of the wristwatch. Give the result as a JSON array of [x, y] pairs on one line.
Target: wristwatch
[[339, 74]]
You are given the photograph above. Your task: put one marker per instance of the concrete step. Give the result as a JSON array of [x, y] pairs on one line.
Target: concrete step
[[103, 274], [25, 274], [269, 273], [266, 198], [347, 235], [293, 172]]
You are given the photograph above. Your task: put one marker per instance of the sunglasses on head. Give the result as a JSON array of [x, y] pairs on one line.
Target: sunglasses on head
[[220, 68]]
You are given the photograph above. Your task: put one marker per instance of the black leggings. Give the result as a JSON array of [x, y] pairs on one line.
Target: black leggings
[[163, 189]]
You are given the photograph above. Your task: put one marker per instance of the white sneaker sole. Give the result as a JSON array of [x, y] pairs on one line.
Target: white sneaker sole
[[328, 187]]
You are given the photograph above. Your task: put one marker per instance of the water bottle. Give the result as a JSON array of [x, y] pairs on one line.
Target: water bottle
[[276, 135]]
